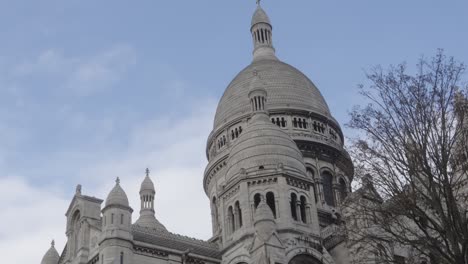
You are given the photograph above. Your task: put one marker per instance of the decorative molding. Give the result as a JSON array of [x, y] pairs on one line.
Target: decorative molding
[[301, 184], [150, 251], [304, 241], [94, 260], [231, 192], [262, 181]]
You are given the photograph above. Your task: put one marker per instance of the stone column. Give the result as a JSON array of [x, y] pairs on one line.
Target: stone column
[[298, 210]]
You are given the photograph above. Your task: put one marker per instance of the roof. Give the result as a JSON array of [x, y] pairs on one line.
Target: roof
[[286, 86], [51, 256], [117, 196], [264, 146], [149, 220], [147, 184], [260, 16], [174, 241]]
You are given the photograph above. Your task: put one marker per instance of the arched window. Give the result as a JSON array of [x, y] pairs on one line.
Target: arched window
[[121, 258], [257, 199], [231, 219], [270, 199], [327, 181], [121, 219], [293, 205], [303, 209], [75, 223], [343, 189], [304, 258], [239, 214], [310, 173]]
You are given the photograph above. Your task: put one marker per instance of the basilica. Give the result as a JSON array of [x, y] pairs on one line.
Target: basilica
[[277, 174]]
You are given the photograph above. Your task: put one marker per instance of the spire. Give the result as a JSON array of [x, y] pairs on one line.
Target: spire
[[261, 30], [147, 196]]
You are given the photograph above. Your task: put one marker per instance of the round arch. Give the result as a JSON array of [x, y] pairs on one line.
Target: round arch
[[304, 259]]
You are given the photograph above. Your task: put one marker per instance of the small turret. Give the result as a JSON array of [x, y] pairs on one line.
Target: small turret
[[261, 30], [147, 214], [51, 256], [117, 212], [117, 240]]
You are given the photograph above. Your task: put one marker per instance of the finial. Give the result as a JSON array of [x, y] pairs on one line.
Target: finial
[[117, 181], [78, 189], [258, 2], [147, 171], [52, 243]]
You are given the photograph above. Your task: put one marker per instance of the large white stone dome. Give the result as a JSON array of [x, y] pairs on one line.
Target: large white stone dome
[[287, 88]]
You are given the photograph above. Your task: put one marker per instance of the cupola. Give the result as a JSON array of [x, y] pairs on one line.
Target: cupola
[[147, 214], [261, 30], [117, 196], [51, 256]]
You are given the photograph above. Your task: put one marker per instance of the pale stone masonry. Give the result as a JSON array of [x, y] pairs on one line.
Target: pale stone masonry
[[276, 176]]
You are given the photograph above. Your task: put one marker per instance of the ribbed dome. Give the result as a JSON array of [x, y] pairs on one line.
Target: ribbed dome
[[51, 256], [147, 184], [117, 196], [260, 16], [150, 221], [287, 88], [264, 146]]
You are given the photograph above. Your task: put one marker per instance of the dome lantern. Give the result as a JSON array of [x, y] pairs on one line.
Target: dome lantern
[[147, 196], [261, 30]]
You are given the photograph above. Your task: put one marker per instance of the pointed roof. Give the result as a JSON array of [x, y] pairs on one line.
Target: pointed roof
[[117, 196], [51, 256], [260, 16], [147, 184], [263, 212]]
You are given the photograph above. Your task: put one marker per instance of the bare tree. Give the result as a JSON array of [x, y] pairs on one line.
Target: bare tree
[[412, 140]]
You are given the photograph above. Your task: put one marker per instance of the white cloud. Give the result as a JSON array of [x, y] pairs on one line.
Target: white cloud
[[174, 150], [31, 218], [82, 75]]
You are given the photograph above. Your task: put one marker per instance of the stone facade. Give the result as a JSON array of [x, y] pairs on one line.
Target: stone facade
[[276, 177]]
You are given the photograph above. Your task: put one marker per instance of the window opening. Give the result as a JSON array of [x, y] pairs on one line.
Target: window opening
[[293, 204], [270, 199]]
